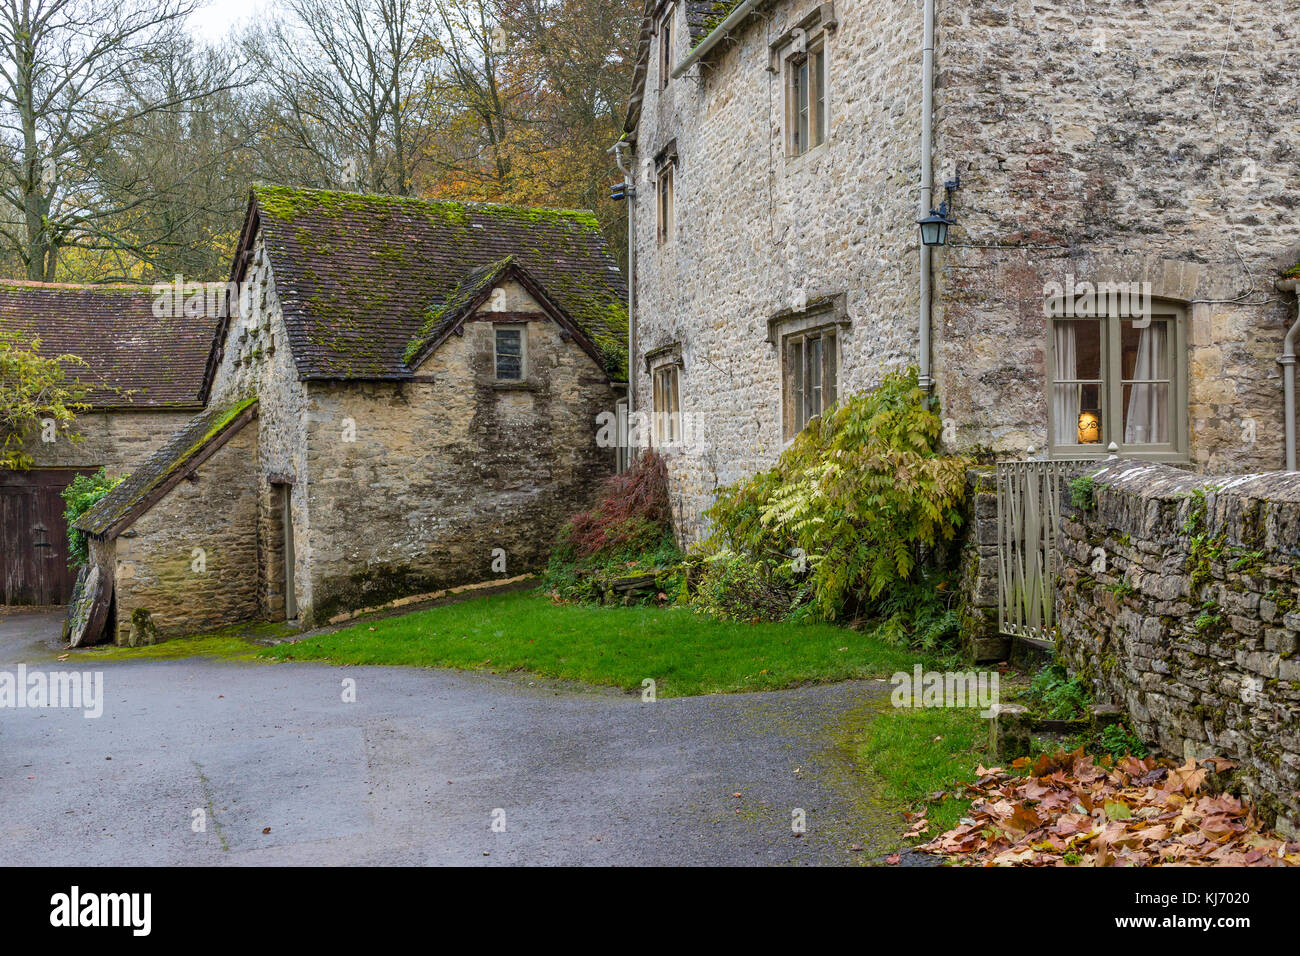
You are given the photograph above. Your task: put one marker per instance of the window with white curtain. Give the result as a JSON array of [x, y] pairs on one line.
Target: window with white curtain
[[1115, 379]]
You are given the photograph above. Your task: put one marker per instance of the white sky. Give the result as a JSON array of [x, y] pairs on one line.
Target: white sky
[[212, 23]]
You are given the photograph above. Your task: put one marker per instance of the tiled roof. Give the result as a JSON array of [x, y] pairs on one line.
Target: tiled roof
[[117, 509], [443, 317], [133, 358], [359, 275]]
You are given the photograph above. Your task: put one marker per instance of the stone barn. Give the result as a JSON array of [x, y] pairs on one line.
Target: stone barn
[[407, 398], [147, 376]]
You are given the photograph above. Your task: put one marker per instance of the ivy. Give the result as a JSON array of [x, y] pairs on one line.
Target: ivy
[[80, 496]]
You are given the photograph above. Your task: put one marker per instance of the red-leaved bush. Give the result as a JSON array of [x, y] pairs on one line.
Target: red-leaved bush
[[632, 514]]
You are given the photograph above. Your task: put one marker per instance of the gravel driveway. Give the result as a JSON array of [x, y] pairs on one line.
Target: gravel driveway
[[193, 760]]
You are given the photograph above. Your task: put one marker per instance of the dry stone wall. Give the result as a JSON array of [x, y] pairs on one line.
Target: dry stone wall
[[1180, 599]]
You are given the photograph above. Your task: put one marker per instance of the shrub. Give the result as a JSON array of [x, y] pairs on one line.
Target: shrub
[[632, 514], [628, 532], [862, 503], [80, 496], [733, 587]]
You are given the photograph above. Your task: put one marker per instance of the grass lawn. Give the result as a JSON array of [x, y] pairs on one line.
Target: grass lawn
[[684, 653], [914, 753]]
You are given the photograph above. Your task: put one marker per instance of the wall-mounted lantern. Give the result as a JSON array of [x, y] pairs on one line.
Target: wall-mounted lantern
[[934, 227]]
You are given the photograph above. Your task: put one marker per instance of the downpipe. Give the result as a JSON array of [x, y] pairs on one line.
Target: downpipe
[[1288, 361], [926, 378], [630, 186]]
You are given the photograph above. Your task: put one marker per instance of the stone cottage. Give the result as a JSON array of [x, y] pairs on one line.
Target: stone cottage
[[147, 375], [783, 151], [1110, 190], [406, 399]]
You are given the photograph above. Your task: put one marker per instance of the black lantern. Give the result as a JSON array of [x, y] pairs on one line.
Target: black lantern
[[934, 227]]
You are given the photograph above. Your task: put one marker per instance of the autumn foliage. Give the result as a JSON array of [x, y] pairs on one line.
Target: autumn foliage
[[632, 514], [1067, 809]]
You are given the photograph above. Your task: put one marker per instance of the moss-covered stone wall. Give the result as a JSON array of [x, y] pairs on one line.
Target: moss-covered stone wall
[[1179, 599], [414, 486]]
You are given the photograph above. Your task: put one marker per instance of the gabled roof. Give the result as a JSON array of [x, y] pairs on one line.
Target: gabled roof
[[360, 277], [134, 359], [161, 471], [472, 292], [702, 17]]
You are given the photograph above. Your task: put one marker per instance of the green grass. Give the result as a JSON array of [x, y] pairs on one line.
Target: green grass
[[901, 750], [682, 652]]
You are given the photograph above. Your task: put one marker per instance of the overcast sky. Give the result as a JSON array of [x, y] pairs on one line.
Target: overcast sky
[[214, 21]]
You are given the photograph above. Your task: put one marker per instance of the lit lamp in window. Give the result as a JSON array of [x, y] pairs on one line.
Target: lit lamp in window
[[1089, 429]]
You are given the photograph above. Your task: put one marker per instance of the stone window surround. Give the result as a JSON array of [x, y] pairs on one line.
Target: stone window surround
[[660, 360], [670, 354], [829, 312], [1180, 333], [663, 29], [665, 164], [816, 27]]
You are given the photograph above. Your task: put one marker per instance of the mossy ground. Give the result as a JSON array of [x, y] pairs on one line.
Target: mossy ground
[[242, 642]]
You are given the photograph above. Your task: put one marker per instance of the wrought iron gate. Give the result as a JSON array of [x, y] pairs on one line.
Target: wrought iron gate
[[1029, 512]]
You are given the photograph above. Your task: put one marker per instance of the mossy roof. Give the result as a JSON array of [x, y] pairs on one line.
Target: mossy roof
[[134, 359], [360, 275], [442, 317], [121, 506]]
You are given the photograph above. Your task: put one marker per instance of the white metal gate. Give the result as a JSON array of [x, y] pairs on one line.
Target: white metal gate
[[1029, 513]]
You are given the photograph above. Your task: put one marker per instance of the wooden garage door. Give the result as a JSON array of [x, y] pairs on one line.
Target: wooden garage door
[[33, 537]]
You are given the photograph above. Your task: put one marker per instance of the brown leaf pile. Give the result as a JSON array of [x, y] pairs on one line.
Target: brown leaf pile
[[1135, 812]]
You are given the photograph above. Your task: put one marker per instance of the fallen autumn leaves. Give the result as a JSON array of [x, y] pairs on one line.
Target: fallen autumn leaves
[[1071, 810]]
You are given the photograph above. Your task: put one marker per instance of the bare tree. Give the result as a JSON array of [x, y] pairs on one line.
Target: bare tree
[[348, 83], [70, 82]]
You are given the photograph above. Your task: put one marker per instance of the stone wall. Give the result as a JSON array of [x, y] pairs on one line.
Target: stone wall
[[115, 439], [1179, 599], [257, 360], [755, 229], [413, 486], [978, 570], [191, 560]]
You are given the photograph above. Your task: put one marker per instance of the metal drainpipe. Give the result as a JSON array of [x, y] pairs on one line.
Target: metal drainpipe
[[927, 192], [630, 186], [1288, 360]]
